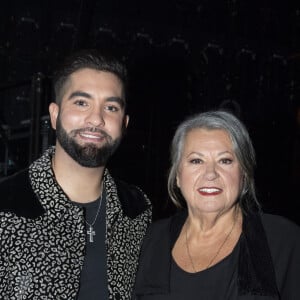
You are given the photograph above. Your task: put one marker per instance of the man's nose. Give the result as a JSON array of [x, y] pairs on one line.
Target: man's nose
[[96, 118]]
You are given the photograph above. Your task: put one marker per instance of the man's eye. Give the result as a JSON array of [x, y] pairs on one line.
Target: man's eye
[[80, 103], [112, 108]]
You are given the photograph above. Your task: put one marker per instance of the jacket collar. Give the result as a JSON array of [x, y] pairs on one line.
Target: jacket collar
[[133, 200], [28, 191], [18, 197]]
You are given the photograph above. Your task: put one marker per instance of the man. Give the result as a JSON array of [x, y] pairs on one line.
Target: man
[[68, 230]]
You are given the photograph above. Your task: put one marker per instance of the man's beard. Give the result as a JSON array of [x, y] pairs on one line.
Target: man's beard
[[87, 155]]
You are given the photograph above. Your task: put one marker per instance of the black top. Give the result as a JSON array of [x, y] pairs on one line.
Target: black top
[[208, 284], [93, 280]]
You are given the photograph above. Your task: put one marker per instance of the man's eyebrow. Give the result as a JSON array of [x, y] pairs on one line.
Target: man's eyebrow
[[79, 94], [119, 100]]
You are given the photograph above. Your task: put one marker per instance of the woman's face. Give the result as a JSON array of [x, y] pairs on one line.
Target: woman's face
[[209, 175]]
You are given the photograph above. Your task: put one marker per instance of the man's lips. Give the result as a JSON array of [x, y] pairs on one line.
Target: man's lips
[[94, 135], [91, 135], [209, 191]]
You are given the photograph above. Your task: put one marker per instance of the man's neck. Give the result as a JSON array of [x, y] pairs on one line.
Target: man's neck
[[81, 184]]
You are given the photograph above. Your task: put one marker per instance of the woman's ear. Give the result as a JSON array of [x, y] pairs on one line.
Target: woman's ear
[[177, 181]]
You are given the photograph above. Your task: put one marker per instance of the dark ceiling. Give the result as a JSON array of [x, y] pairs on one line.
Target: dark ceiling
[[183, 56]]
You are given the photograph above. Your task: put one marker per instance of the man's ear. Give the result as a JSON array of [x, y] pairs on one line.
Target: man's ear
[[126, 121], [53, 112]]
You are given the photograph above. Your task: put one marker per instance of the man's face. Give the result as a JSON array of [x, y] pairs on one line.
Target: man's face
[[90, 120]]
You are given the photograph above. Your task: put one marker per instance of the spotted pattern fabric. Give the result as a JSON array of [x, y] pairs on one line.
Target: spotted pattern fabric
[[42, 258]]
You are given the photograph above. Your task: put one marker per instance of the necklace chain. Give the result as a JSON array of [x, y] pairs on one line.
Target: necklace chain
[[98, 210], [97, 213], [91, 232], [188, 250], [217, 253]]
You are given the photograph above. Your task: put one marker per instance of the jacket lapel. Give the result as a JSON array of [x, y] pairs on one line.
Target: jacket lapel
[[256, 273]]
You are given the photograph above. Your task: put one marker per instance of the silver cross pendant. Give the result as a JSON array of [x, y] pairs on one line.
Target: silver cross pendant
[[91, 234]]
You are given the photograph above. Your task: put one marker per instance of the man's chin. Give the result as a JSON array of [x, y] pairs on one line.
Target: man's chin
[[96, 143]]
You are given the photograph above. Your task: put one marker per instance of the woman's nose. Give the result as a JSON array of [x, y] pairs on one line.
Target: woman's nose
[[211, 172]]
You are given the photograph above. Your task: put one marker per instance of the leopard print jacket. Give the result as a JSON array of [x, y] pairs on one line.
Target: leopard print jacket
[[42, 236]]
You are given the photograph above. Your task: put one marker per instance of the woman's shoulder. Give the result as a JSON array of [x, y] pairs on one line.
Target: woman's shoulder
[[283, 237], [160, 225], [166, 227], [175, 220], [157, 237], [280, 228], [279, 222]]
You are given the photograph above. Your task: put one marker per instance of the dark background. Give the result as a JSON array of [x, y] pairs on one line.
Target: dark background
[[184, 56]]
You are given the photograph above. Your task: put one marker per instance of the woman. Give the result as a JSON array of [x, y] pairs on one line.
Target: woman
[[221, 246]]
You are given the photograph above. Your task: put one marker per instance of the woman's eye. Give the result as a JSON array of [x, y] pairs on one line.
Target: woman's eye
[[226, 161], [196, 161]]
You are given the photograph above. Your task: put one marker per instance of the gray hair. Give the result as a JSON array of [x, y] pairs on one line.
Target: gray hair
[[242, 147]]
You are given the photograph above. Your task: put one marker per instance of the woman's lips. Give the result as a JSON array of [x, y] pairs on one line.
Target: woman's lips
[[209, 191]]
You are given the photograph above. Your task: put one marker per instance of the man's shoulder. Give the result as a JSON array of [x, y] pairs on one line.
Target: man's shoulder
[[133, 200], [11, 184], [18, 197]]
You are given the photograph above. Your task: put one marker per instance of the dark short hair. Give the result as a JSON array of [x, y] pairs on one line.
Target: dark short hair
[[88, 58], [242, 146]]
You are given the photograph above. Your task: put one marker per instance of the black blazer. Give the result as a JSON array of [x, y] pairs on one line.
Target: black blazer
[[269, 258]]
